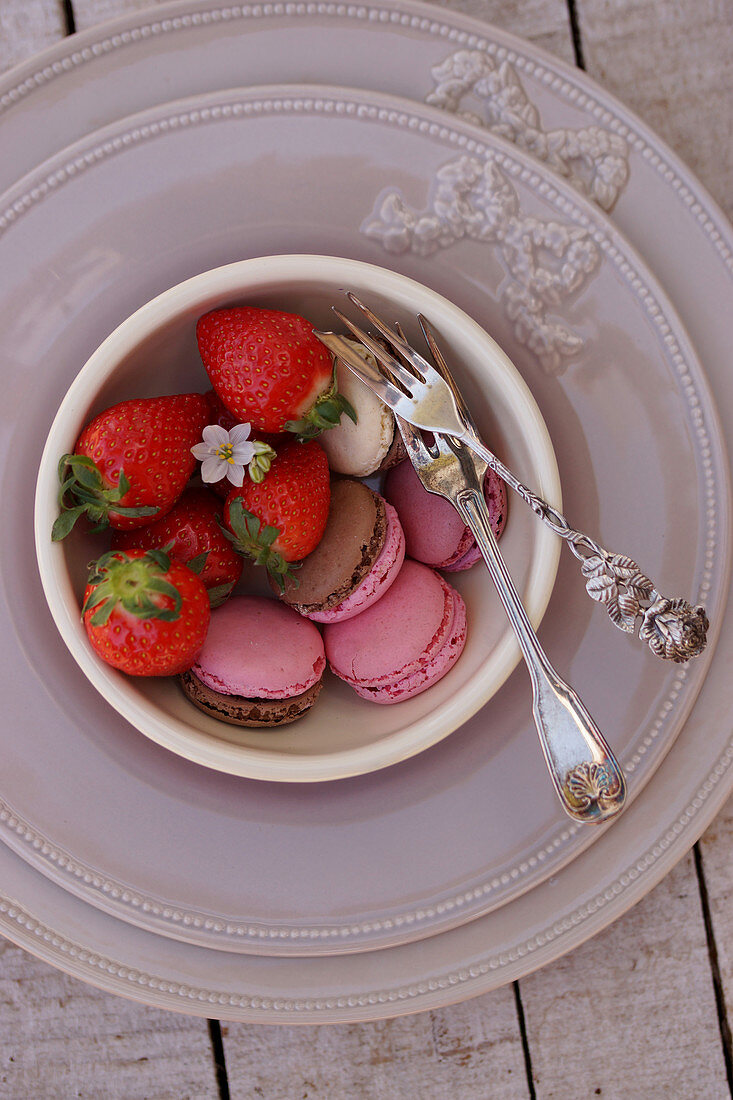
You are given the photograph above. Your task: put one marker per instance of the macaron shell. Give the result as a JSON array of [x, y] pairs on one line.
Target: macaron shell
[[395, 636], [352, 542], [235, 710], [359, 449], [433, 669], [377, 582], [260, 649], [434, 532]]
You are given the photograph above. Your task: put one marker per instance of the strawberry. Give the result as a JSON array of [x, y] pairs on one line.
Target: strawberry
[[218, 412], [270, 370], [145, 614], [191, 533], [282, 519], [132, 462]]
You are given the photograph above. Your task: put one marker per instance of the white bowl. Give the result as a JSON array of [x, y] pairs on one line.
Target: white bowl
[[154, 352]]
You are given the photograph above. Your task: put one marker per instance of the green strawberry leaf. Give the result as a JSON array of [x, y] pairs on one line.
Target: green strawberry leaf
[[117, 579], [324, 414], [81, 490], [64, 522], [103, 612], [219, 593], [198, 564], [252, 541]]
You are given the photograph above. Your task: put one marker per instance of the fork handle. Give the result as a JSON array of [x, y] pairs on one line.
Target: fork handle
[[673, 628], [586, 775]]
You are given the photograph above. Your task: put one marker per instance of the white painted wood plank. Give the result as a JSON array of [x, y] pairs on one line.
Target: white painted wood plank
[[89, 12], [62, 1038], [672, 63], [472, 1051], [27, 26], [631, 1013], [716, 849], [542, 21]]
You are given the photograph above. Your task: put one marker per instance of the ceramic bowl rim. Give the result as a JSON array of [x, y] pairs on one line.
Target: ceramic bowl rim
[[240, 277]]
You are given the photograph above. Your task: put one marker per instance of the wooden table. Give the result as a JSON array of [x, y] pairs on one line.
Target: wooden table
[[652, 1022]]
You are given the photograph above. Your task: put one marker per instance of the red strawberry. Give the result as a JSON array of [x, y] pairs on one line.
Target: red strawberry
[[218, 412], [282, 519], [270, 370], [190, 533], [132, 461], [145, 614]]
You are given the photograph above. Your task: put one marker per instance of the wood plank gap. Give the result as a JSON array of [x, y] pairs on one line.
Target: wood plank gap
[[525, 1041], [69, 19], [723, 1022], [220, 1062], [576, 35]]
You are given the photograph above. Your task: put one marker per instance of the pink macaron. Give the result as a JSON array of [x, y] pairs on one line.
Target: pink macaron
[[261, 664], [434, 532], [359, 556], [404, 643]]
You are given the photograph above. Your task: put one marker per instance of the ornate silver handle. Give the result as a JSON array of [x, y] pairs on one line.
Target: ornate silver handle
[[673, 629], [585, 772]]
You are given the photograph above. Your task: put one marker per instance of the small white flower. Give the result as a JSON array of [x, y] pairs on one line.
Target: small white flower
[[225, 453]]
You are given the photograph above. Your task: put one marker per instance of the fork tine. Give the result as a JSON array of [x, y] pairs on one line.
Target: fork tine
[[378, 351], [378, 323], [405, 362], [419, 366], [442, 367], [415, 445], [369, 375]]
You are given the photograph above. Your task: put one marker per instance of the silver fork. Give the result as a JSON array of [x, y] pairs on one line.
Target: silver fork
[[428, 398], [584, 771]]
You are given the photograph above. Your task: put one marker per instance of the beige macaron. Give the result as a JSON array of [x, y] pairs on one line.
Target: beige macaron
[[373, 443]]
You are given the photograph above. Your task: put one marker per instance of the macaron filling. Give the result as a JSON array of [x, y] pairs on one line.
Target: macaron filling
[[377, 581]]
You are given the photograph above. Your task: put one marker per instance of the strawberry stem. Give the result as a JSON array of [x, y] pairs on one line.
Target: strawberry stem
[[325, 413], [82, 492], [250, 539], [135, 583]]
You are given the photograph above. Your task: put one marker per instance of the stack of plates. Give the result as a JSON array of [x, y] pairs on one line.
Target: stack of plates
[[604, 269]]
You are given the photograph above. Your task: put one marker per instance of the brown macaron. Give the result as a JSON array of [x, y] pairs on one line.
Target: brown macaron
[[261, 664], [357, 559], [238, 711]]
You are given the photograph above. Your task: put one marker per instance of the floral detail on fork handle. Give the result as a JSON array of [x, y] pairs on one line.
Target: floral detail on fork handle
[[673, 629], [547, 262]]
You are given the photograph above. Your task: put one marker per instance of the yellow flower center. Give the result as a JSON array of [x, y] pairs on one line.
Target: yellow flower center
[[225, 452]]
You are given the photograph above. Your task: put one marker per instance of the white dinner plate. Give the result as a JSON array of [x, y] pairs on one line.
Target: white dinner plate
[[470, 824]]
